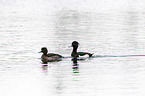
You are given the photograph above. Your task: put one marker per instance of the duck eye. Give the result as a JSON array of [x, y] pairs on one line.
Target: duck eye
[[74, 44]]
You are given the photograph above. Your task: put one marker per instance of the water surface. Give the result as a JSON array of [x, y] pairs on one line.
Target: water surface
[[111, 29]]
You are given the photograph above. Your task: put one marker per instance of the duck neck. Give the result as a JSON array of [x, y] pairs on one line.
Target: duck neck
[[44, 53], [75, 49]]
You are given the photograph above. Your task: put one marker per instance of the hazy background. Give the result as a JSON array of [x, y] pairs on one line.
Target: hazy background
[[111, 29]]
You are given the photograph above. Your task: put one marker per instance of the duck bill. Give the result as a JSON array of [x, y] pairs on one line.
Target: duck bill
[[40, 52]]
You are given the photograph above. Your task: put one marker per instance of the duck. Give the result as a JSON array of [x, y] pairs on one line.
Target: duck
[[49, 57], [74, 53]]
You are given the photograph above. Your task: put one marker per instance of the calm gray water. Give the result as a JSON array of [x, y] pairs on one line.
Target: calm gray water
[[114, 30]]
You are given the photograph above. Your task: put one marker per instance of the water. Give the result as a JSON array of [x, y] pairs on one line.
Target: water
[[111, 29]]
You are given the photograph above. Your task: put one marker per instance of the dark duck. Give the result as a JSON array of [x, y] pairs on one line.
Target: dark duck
[[49, 57], [74, 53]]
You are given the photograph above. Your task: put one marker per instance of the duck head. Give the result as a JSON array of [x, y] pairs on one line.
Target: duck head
[[44, 50], [75, 44]]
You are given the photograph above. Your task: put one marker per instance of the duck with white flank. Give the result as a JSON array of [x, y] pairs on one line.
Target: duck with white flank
[[74, 53]]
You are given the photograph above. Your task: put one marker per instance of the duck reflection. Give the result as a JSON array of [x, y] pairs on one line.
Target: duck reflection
[[45, 67], [75, 66]]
